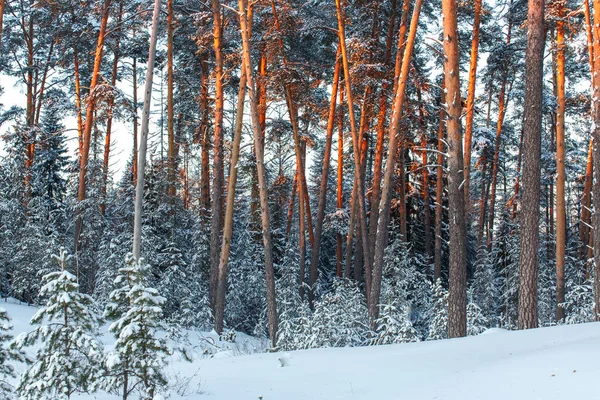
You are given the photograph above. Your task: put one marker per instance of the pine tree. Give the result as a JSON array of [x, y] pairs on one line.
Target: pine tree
[[477, 322], [394, 326], [438, 325], [139, 356], [70, 355], [8, 356]]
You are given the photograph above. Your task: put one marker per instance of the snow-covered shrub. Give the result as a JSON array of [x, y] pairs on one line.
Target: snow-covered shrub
[[394, 326], [139, 356], [70, 357], [438, 325], [340, 319], [8, 355], [477, 322]]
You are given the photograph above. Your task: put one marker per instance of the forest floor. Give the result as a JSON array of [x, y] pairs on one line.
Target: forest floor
[[548, 363]]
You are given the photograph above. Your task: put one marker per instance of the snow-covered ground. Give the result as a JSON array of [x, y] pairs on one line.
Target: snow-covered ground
[[548, 363]]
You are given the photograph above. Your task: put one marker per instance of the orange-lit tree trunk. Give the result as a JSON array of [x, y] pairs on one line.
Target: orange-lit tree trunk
[[532, 130], [229, 207], [381, 120], [388, 178], [262, 176], [586, 216], [358, 179], [561, 216], [596, 157], [314, 264], [109, 119], [293, 115], [425, 171], [439, 187], [204, 138], [502, 100], [171, 149], [89, 120], [471, 100], [218, 177], [457, 285], [340, 183]]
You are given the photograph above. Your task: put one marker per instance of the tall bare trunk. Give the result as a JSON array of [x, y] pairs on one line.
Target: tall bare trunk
[[502, 100], [425, 171], [89, 120], [358, 178], [596, 157], [388, 178], [229, 207], [262, 176], [340, 184], [439, 187], [561, 216], [204, 138], [217, 201], [139, 188], [314, 264], [471, 100], [457, 296], [532, 130], [109, 119], [171, 174]]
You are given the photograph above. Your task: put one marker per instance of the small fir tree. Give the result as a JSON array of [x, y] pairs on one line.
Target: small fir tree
[[8, 355], [438, 326], [139, 356], [70, 355]]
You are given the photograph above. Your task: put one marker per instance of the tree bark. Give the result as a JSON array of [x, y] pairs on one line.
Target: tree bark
[[532, 130], [471, 100], [217, 194], [139, 188], [439, 187], [171, 174], [262, 176], [230, 206], [457, 292], [109, 119], [388, 179], [314, 264], [561, 216], [596, 158], [89, 121]]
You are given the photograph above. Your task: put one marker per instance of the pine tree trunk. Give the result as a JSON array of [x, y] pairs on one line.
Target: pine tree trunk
[[314, 264], [139, 188], [262, 177], [457, 292], [89, 121], [439, 187], [217, 194], [388, 178], [532, 130], [171, 174], [340, 183], [586, 216], [109, 119], [230, 206], [561, 217], [135, 123], [204, 138], [596, 158], [425, 172], [502, 104], [358, 178], [471, 100], [379, 145]]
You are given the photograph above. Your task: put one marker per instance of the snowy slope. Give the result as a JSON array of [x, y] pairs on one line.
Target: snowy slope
[[548, 363]]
